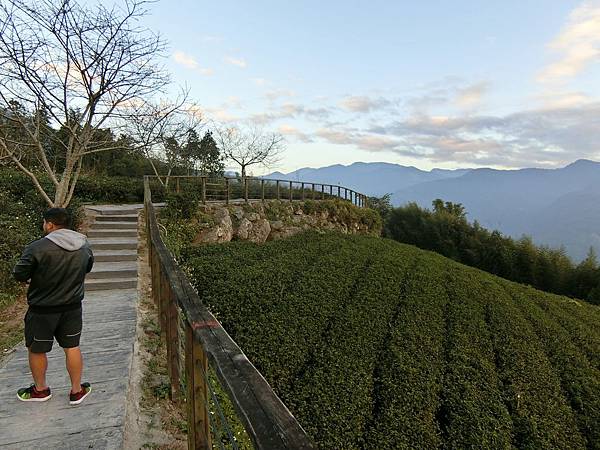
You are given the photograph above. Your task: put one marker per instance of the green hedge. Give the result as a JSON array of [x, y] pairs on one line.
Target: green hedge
[[375, 344]]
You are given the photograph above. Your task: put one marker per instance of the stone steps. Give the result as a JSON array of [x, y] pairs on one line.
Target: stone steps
[[97, 284], [117, 218], [113, 238], [93, 233], [117, 225]]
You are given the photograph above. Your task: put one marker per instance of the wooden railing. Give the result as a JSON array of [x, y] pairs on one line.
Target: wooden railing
[[267, 421], [227, 189]]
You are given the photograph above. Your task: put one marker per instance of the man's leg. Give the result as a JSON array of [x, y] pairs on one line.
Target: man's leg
[[74, 362], [38, 363]]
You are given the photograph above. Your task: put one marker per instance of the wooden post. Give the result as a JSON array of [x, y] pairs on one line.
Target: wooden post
[[322, 192], [291, 193], [330, 190], [173, 343], [204, 190], [262, 190], [246, 189], [345, 194], [277, 183], [302, 192], [197, 393], [339, 192], [227, 191], [313, 191]]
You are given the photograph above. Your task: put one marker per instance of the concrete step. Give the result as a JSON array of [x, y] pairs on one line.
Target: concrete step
[[113, 274], [113, 243], [124, 269], [111, 233], [117, 218], [118, 211], [114, 226], [110, 283], [114, 255]]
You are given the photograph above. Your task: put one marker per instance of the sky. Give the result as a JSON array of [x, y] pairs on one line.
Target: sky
[[504, 84]]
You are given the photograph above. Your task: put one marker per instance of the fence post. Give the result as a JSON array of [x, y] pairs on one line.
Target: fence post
[[197, 393], [339, 192], [227, 191], [291, 193], [204, 190], [322, 192], [302, 192], [313, 191], [277, 183], [246, 189], [172, 343], [262, 190]]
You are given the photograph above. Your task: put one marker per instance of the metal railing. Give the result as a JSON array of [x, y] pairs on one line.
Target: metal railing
[[267, 421], [228, 189]]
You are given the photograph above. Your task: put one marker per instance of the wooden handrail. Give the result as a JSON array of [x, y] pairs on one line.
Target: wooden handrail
[[268, 422]]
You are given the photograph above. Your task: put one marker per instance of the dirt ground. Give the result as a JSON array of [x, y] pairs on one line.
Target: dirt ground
[[153, 421]]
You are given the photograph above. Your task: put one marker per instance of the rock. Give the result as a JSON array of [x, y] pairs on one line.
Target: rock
[[238, 212], [244, 229], [299, 212], [221, 232], [260, 231], [297, 219], [277, 225], [253, 217]]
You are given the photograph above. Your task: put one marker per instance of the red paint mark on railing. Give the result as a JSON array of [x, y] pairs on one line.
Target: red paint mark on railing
[[205, 324]]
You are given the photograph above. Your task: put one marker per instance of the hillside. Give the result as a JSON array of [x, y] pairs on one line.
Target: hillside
[[375, 344]]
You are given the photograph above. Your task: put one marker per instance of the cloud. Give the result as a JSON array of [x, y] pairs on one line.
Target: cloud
[[190, 62], [239, 62], [550, 137], [578, 43], [288, 130], [363, 104], [364, 141], [211, 39], [274, 94], [471, 96]]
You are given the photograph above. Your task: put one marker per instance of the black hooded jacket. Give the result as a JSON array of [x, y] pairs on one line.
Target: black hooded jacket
[[56, 265]]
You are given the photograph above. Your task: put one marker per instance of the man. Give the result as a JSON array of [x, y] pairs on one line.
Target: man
[[55, 267]]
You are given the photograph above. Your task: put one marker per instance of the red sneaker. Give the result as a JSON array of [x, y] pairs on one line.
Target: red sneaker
[[31, 394], [76, 399]]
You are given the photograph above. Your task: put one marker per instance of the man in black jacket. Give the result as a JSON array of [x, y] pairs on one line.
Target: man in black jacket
[[55, 267]]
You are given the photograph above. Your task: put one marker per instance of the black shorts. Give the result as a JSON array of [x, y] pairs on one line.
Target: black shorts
[[41, 329]]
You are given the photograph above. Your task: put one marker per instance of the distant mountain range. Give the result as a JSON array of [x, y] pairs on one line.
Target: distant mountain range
[[554, 206]]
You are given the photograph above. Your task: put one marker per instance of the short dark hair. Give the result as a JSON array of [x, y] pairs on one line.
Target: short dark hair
[[58, 216]]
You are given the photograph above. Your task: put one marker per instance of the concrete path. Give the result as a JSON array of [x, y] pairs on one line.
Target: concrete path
[[109, 316]]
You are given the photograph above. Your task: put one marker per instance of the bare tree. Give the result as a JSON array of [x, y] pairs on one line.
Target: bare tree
[[80, 69], [159, 131], [250, 146]]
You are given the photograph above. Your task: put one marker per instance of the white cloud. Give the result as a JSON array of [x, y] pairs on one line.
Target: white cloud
[[471, 96], [288, 130], [578, 43], [279, 93], [239, 62], [190, 62], [362, 104]]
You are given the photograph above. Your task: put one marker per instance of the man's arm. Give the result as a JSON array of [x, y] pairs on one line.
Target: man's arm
[[90, 261], [25, 266]]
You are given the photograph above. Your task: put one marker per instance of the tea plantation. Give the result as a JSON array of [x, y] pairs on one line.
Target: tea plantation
[[379, 345]]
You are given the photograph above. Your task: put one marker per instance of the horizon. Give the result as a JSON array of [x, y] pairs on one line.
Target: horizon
[[426, 170]]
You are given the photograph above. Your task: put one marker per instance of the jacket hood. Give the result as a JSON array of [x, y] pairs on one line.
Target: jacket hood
[[67, 239]]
